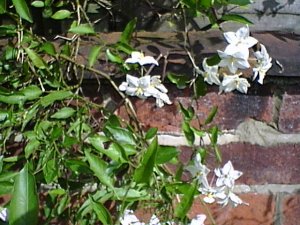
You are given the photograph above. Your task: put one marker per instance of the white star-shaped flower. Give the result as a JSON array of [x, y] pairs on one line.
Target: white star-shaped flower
[[227, 175], [240, 38], [263, 64], [140, 58], [210, 73], [199, 170], [231, 198], [234, 58], [234, 82], [144, 87]]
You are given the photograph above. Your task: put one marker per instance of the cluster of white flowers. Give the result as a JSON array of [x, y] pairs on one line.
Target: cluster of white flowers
[[227, 73], [222, 192], [130, 219], [147, 85]]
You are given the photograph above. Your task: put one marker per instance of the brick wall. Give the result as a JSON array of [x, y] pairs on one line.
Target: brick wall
[[260, 133]]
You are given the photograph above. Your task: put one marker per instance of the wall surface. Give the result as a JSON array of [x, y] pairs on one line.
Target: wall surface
[[260, 130]]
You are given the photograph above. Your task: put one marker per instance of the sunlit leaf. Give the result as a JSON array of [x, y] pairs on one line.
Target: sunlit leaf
[[61, 14], [113, 57], [31, 147], [22, 9], [240, 2], [38, 4], [49, 48], [122, 135], [151, 133], [82, 29], [127, 33], [144, 172], [2, 6], [55, 96], [64, 113], [102, 213], [165, 154], [99, 167], [23, 209], [35, 58], [93, 55]]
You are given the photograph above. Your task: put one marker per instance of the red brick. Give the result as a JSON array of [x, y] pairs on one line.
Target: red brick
[[233, 108], [291, 210], [289, 120], [260, 165], [260, 211]]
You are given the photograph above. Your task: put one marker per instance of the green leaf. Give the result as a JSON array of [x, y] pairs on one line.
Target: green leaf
[[31, 147], [55, 96], [102, 213], [180, 80], [93, 55], [49, 48], [151, 133], [61, 14], [200, 87], [35, 58], [131, 194], [213, 60], [22, 9], [2, 6], [12, 99], [82, 29], [240, 2], [214, 135], [188, 133], [121, 135], [38, 4], [50, 170], [186, 202], [31, 92], [99, 167], [218, 154], [236, 18], [6, 188], [113, 58], [188, 114], [165, 154], [144, 172], [23, 209], [64, 113], [127, 33], [211, 115]]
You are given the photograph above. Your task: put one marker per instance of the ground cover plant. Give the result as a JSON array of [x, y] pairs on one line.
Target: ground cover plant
[[61, 164]]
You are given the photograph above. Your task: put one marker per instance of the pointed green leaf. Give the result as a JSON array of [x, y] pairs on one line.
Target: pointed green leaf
[[151, 133], [22, 9], [178, 79], [144, 172], [127, 33], [31, 147], [64, 113], [121, 135], [93, 55], [186, 202], [240, 2], [211, 116], [31, 92], [113, 58], [82, 29], [23, 209], [188, 133], [99, 167], [61, 14], [55, 96], [236, 18], [35, 58], [38, 4], [200, 87], [102, 213], [49, 48], [188, 113], [165, 154]]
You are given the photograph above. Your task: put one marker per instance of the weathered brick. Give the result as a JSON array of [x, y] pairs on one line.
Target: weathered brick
[[233, 108], [260, 165], [291, 209], [289, 120], [260, 211]]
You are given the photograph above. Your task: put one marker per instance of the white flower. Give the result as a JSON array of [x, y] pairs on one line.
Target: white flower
[[263, 64], [130, 219], [154, 220], [136, 86], [234, 82], [240, 38], [234, 58], [138, 57], [227, 175], [210, 73], [3, 214], [211, 194], [144, 87], [199, 220], [232, 198], [199, 170]]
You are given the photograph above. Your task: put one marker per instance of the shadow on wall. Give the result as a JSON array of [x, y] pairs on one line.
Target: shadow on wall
[[272, 7]]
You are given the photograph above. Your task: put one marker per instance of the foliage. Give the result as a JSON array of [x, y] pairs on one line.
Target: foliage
[[69, 163]]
